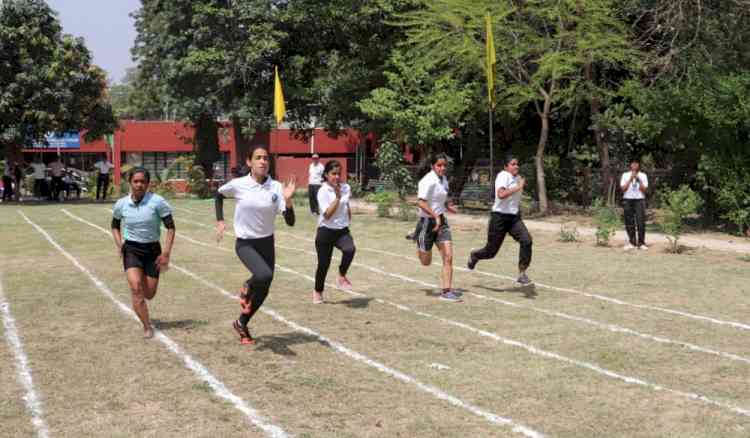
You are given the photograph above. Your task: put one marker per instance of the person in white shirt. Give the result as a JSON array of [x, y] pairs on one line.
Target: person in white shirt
[[57, 168], [259, 200], [432, 227], [506, 219], [634, 184], [40, 170], [102, 167], [314, 180], [333, 229]]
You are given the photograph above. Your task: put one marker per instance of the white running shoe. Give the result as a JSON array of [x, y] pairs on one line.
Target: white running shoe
[[628, 247], [643, 247]]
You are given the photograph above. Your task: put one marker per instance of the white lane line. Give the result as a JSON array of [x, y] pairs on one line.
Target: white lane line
[[198, 369], [359, 357], [608, 299], [33, 403], [601, 325], [529, 348]]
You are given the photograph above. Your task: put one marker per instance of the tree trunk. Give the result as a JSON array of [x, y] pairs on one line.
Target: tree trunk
[[206, 143], [242, 142], [539, 159], [599, 137]]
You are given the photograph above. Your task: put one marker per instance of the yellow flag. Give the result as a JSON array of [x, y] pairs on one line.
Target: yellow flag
[[491, 61], [279, 107]]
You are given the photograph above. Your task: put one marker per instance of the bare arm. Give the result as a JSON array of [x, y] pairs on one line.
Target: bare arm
[[504, 192]]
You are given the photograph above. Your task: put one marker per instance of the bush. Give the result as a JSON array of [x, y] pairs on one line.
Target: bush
[[607, 221], [568, 232], [384, 201], [678, 205], [197, 183], [726, 174], [357, 190], [393, 170], [406, 212]]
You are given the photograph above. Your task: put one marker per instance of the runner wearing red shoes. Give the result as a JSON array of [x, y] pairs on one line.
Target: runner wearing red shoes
[[259, 199]]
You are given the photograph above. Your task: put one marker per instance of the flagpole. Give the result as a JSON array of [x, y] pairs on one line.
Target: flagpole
[[492, 154]]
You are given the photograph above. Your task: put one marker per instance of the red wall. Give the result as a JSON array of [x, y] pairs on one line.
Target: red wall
[[283, 141], [288, 166]]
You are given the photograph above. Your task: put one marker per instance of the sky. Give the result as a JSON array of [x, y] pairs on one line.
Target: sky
[[107, 28]]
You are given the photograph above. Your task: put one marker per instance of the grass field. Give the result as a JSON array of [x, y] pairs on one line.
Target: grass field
[[607, 344]]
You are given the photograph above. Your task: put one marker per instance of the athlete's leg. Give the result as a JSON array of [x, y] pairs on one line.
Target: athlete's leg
[[521, 235], [324, 247], [446, 252], [496, 231], [258, 257], [345, 243], [137, 282]]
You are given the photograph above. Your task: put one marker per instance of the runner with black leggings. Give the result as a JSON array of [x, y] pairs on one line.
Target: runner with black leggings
[[140, 214], [506, 219], [259, 199], [333, 229]]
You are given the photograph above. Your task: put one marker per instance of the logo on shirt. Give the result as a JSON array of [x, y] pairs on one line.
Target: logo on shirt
[[274, 197]]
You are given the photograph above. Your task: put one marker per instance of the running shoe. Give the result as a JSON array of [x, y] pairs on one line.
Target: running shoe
[[523, 280], [317, 298], [411, 236], [450, 296], [629, 247], [344, 283], [243, 332], [643, 247], [472, 263]]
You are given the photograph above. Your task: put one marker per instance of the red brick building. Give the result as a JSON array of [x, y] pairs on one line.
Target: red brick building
[[156, 144]]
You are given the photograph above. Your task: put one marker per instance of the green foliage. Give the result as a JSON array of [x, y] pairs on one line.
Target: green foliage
[[607, 221], [568, 232], [384, 201], [744, 258], [678, 205], [47, 80], [726, 174], [406, 212], [197, 183], [390, 162], [416, 105], [357, 190]]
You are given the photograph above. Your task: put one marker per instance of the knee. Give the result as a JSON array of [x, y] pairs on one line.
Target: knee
[[426, 260], [527, 242], [349, 252], [263, 279], [448, 259]]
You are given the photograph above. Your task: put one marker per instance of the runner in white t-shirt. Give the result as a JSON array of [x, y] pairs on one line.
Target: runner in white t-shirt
[[634, 184], [314, 180], [506, 219], [102, 167], [40, 170], [432, 227], [333, 229], [259, 200]]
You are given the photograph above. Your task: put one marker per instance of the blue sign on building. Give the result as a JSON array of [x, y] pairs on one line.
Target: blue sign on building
[[66, 140]]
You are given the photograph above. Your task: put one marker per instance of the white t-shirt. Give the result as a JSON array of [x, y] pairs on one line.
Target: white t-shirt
[[434, 190], [511, 204], [315, 174], [257, 205], [340, 218], [39, 170], [103, 167], [634, 190]]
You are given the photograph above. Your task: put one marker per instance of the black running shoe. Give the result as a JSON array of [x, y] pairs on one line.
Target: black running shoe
[[472, 263]]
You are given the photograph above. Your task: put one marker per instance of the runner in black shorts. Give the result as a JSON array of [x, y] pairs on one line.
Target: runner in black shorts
[[141, 214], [432, 227]]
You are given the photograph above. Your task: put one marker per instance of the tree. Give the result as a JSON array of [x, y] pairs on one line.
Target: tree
[[416, 107], [47, 81], [543, 49], [137, 99], [211, 58]]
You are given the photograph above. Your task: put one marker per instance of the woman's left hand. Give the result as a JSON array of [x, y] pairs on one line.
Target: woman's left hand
[[162, 263]]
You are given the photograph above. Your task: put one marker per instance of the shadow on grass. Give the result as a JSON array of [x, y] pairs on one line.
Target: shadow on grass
[[528, 291], [355, 303], [182, 324], [279, 344]]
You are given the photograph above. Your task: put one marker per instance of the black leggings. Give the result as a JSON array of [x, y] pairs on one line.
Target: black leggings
[[500, 225], [325, 240], [258, 256], [635, 217], [312, 195]]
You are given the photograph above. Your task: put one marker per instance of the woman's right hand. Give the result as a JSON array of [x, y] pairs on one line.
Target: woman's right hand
[[337, 190], [220, 227]]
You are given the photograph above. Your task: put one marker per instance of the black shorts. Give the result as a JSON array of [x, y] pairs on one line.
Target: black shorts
[[426, 236], [141, 255]]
